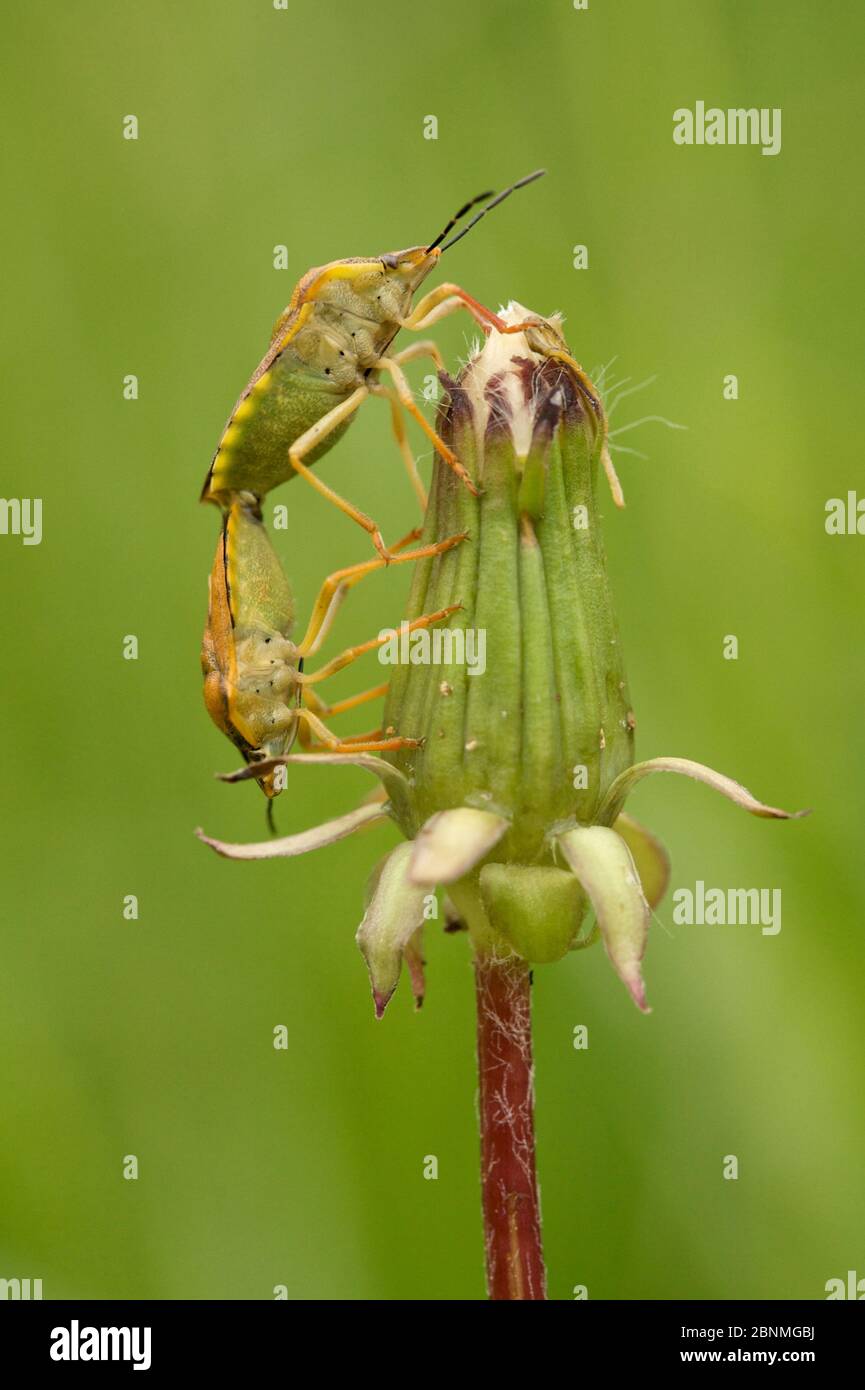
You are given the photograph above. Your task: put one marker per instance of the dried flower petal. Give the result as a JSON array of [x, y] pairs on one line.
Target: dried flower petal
[[603, 863], [389, 775], [390, 930], [649, 855], [452, 842], [625, 782], [291, 845]]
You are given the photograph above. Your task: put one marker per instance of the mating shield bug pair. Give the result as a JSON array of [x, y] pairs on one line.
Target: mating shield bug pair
[[327, 354]]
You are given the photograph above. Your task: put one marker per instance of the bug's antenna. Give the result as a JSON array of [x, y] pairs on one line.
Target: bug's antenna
[[271, 823], [499, 198], [458, 217]]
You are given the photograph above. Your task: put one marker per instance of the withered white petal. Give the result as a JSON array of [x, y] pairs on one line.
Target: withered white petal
[[603, 863], [291, 845], [453, 842], [390, 927], [626, 780]]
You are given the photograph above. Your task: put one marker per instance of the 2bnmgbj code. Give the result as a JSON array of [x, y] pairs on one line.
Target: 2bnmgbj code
[[711, 1334], [805, 1332]]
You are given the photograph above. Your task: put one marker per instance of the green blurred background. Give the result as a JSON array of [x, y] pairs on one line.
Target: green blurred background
[[305, 1167]]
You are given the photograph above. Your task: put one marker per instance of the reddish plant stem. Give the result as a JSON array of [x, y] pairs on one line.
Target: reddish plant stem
[[511, 1205]]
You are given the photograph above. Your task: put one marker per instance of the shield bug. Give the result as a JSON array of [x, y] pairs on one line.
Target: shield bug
[[328, 351], [255, 688]]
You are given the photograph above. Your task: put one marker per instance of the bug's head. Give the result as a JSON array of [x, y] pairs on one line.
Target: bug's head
[[267, 764], [408, 269], [270, 785], [380, 289], [405, 271]]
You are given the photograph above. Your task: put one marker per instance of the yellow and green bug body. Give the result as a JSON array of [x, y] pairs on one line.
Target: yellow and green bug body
[[250, 664], [327, 353], [255, 688], [327, 344]]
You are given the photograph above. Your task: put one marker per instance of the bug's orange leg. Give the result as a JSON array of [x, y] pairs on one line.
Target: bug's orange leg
[[352, 653], [337, 585], [591, 392], [408, 458], [320, 707], [446, 299], [448, 305], [426, 348], [355, 739], [413, 535], [310, 440], [587, 386], [362, 743], [407, 401]]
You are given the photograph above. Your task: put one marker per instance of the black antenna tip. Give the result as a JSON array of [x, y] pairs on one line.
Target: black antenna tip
[[488, 207]]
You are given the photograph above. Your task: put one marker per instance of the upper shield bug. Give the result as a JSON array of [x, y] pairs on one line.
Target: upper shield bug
[[326, 355]]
